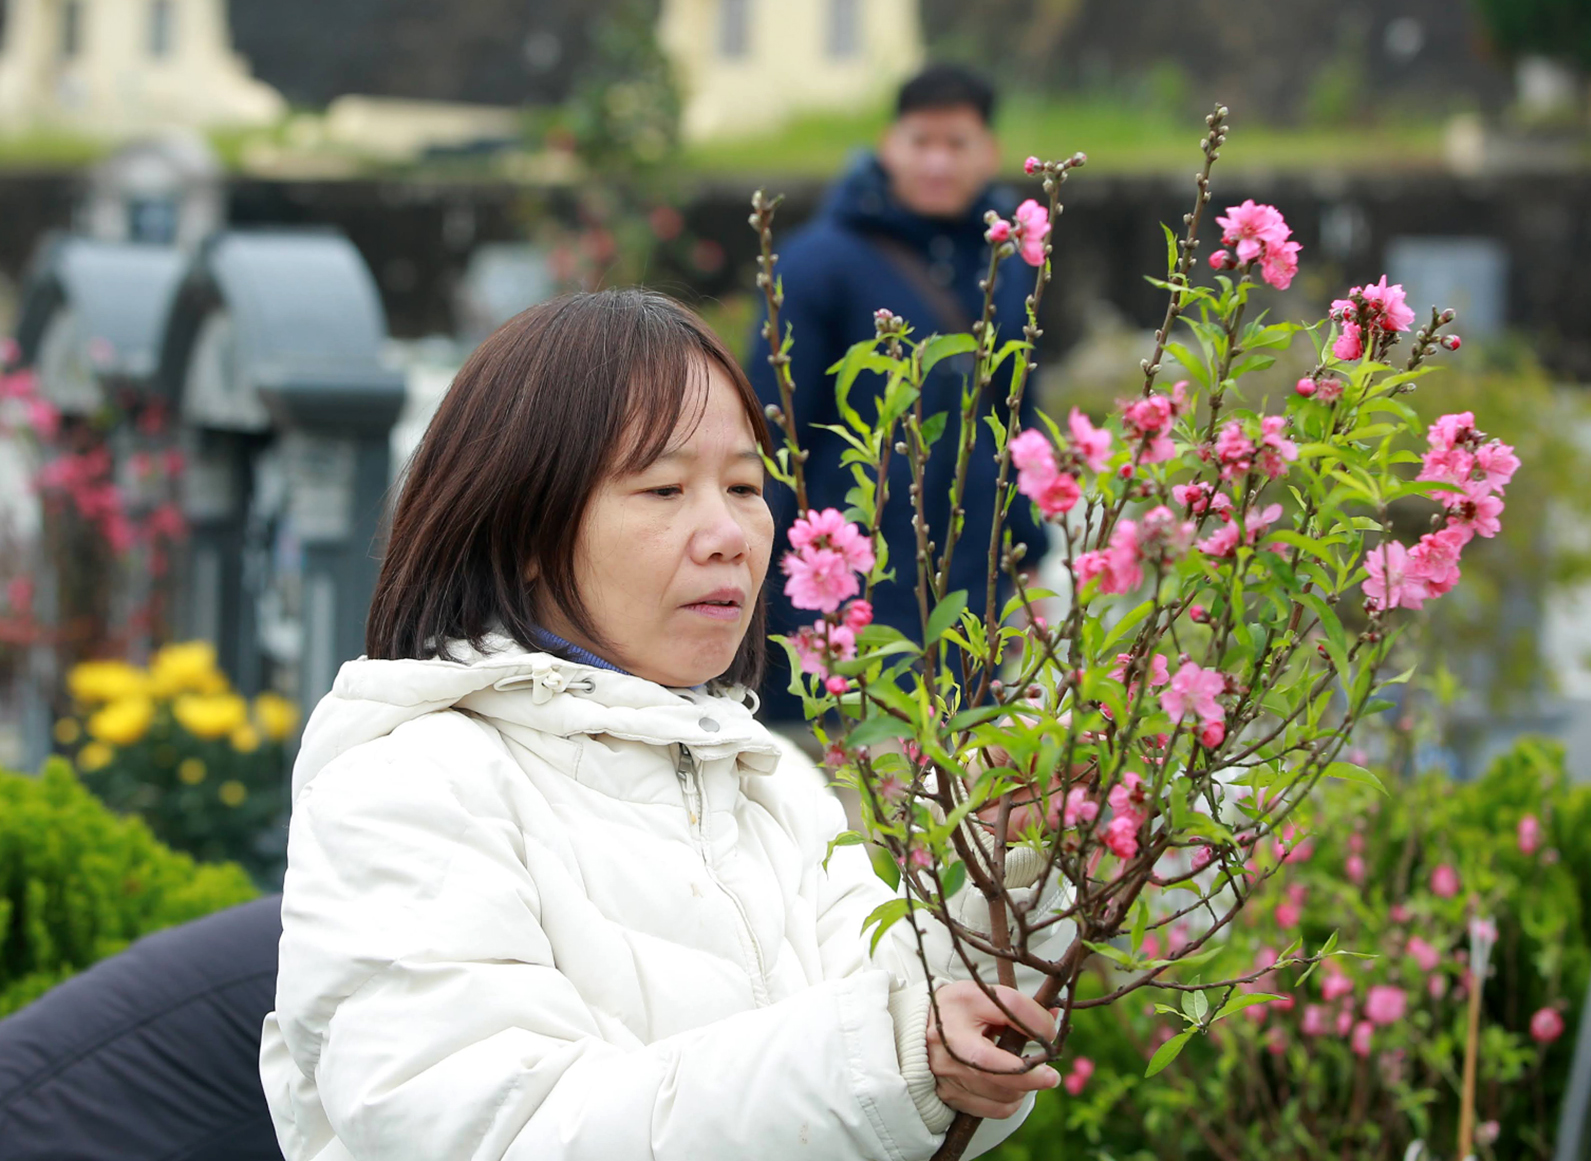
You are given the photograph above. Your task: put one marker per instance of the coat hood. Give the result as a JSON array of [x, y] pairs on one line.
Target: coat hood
[[370, 699], [861, 200]]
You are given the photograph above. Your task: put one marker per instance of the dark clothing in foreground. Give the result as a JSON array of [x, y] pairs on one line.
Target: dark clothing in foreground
[[151, 1054], [863, 252]]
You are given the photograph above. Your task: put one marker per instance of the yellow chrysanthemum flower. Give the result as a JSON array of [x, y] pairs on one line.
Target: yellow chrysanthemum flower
[[67, 731], [123, 722], [245, 739], [210, 716], [191, 771], [233, 792], [95, 682], [277, 716], [95, 756], [186, 667]]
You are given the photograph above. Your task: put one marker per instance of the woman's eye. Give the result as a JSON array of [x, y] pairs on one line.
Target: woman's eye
[[667, 491], [746, 490]]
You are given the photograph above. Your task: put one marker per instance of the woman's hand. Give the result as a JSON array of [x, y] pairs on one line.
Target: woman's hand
[[971, 1022]]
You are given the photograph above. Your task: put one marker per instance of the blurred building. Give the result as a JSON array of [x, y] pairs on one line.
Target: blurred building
[[744, 65], [120, 68]]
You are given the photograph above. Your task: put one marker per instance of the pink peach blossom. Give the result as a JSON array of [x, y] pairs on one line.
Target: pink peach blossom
[[1423, 953], [1334, 985], [1121, 836], [1195, 688], [1033, 227], [1529, 834], [1079, 808], [1077, 1078], [1444, 881], [1349, 344], [1092, 443], [1546, 1025], [1497, 462], [820, 579], [1363, 1031], [1280, 264], [1252, 228], [1385, 1004], [1315, 1020], [1391, 583]]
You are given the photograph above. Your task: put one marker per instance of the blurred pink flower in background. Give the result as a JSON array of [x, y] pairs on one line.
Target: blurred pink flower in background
[[1385, 1004], [1546, 1025], [1423, 953], [1529, 834], [1444, 881]]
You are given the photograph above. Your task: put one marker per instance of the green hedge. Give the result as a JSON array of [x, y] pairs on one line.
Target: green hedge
[[1266, 1085], [79, 883]]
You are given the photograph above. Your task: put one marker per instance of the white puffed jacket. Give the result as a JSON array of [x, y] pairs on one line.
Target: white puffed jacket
[[537, 910]]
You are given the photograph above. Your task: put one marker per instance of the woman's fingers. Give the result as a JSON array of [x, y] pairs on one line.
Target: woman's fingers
[[973, 1072], [962, 1101]]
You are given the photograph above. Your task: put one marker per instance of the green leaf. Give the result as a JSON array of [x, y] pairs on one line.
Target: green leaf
[[945, 614], [1166, 1053], [1349, 772], [1140, 923], [953, 878], [846, 838], [933, 427], [1114, 954], [879, 728], [885, 916], [1238, 1003], [940, 347], [884, 866]]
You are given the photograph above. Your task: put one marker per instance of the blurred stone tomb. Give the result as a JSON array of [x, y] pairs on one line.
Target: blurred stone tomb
[[167, 190], [502, 279], [1468, 274], [273, 362]]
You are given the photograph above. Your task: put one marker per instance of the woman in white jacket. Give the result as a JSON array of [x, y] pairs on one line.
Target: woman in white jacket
[[552, 892]]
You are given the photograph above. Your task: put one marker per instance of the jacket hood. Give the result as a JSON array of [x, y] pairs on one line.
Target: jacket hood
[[370, 699], [861, 200]]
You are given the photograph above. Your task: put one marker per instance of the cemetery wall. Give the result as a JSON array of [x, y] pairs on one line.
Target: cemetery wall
[[1535, 230]]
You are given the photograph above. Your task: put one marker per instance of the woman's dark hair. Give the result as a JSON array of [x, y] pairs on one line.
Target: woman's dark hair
[[542, 412]]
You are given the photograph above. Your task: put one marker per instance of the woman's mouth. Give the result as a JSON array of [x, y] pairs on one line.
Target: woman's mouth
[[722, 605]]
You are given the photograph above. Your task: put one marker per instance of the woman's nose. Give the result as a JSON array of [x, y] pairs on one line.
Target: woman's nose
[[718, 533]]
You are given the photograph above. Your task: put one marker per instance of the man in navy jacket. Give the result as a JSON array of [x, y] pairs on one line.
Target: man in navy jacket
[[902, 230]]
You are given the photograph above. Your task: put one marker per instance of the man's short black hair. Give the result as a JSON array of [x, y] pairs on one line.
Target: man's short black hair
[[946, 86]]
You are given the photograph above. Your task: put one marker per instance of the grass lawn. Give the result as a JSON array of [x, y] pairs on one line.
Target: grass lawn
[[1118, 138]]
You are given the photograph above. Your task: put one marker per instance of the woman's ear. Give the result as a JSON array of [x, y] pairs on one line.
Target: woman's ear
[[532, 571]]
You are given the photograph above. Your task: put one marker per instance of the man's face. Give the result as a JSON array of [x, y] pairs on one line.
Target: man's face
[[939, 160]]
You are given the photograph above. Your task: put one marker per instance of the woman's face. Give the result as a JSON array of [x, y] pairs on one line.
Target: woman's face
[[670, 559]]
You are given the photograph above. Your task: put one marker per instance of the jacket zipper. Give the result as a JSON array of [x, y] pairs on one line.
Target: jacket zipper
[[689, 774]]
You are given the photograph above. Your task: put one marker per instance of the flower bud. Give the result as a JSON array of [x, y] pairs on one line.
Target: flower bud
[[1221, 260], [1198, 614], [999, 231], [1306, 387], [1125, 471], [836, 685], [1032, 166], [1447, 316], [1452, 342]]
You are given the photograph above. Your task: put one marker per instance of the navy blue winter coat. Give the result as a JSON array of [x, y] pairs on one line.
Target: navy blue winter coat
[[837, 271]]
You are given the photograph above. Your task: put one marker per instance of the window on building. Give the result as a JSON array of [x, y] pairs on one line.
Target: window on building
[[162, 28], [845, 28], [734, 28], [71, 28]]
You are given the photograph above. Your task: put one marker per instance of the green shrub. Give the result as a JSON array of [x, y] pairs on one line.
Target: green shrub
[[1286, 1084], [78, 883]]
